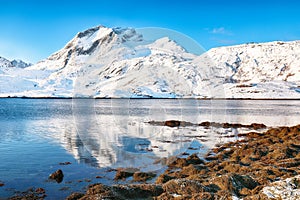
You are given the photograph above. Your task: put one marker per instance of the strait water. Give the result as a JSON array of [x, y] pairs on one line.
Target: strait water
[[96, 136]]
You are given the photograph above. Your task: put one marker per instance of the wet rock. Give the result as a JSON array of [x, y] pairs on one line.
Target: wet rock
[[194, 159], [123, 173], [143, 176], [166, 196], [254, 126], [156, 123], [209, 157], [205, 124], [182, 162], [204, 195], [30, 194], [75, 196], [257, 126], [40, 191], [194, 169], [138, 191], [187, 187], [223, 194], [172, 123], [183, 186], [58, 176], [228, 125], [163, 178], [288, 163], [141, 191], [98, 189], [1, 184], [179, 163], [65, 163], [240, 185]]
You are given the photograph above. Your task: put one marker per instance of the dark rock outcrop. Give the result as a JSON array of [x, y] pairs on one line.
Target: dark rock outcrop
[[58, 176]]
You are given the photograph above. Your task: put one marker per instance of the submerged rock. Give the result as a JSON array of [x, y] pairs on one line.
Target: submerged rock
[[65, 163], [58, 176], [30, 194]]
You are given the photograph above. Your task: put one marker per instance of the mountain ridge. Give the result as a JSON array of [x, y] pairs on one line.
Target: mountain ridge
[[14, 63], [106, 62]]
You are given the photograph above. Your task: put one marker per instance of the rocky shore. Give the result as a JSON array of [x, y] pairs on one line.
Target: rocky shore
[[259, 166], [239, 169]]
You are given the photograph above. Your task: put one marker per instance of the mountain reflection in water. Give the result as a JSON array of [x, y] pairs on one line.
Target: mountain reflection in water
[[114, 133]]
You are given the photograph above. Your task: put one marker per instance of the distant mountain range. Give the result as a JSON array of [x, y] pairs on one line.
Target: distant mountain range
[[15, 63], [106, 62]]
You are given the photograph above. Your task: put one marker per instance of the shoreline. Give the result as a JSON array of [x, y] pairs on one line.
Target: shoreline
[[246, 168]]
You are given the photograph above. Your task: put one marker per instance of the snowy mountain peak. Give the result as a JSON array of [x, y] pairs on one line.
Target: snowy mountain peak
[[89, 32], [20, 64], [165, 45], [102, 32], [15, 63], [5, 63], [94, 42]]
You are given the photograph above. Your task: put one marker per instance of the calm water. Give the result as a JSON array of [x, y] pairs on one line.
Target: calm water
[[98, 135]]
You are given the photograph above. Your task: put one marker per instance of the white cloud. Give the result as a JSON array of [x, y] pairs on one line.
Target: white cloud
[[221, 31]]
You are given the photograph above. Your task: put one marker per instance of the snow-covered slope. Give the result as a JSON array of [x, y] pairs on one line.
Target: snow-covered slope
[[117, 62], [270, 70]]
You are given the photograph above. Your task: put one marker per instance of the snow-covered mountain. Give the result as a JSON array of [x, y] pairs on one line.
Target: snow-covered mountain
[[117, 62], [270, 70], [5, 63], [20, 63], [14, 63]]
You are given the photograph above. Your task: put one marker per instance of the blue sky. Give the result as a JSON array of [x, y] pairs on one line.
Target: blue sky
[[33, 29]]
